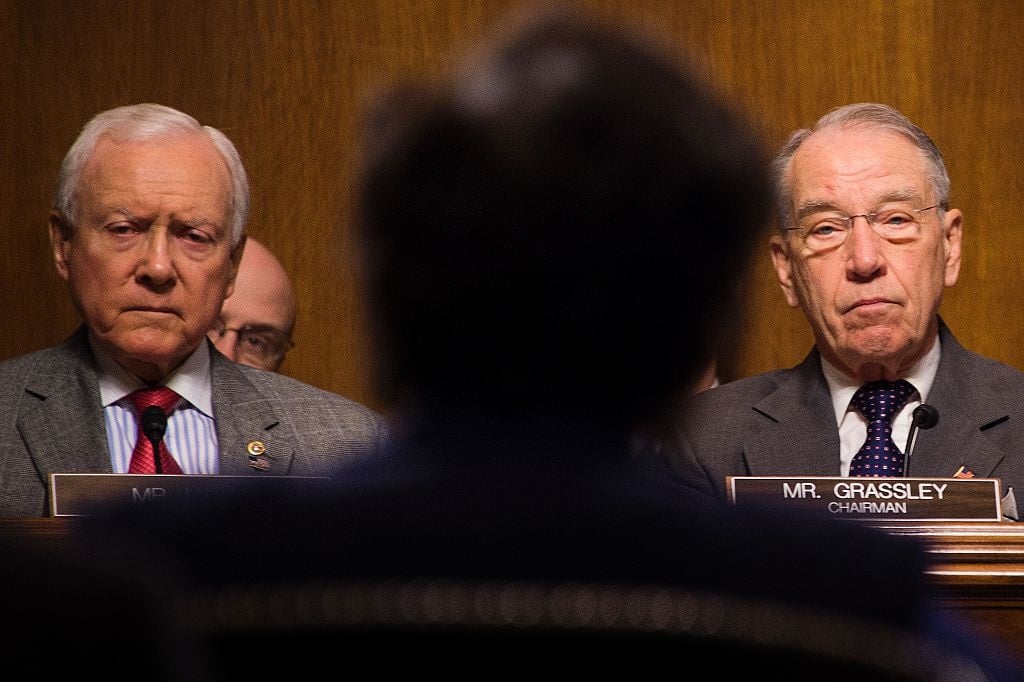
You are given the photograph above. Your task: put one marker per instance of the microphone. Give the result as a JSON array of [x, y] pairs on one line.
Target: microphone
[[154, 424], [924, 417]]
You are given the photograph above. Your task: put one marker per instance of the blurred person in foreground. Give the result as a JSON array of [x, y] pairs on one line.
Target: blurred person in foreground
[[867, 243], [147, 229], [257, 320], [521, 227], [523, 224]]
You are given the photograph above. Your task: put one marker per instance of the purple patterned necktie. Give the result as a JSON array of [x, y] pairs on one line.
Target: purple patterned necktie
[[879, 402]]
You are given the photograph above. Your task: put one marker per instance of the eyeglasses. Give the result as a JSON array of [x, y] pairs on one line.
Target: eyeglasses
[[259, 344], [897, 224]]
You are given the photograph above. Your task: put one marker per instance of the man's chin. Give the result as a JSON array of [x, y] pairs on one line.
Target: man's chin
[[150, 348], [883, 346]]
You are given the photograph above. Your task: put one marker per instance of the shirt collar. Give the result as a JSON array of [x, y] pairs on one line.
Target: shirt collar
[[841, 387], [191, 380]]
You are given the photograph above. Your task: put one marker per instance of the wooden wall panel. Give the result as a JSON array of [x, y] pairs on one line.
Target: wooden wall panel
[[286, 79]]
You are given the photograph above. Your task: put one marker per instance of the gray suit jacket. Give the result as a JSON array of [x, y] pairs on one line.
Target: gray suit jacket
[[51, 421], [781, 423]]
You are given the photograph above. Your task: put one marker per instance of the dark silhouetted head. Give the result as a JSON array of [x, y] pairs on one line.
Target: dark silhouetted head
[[560, 225]]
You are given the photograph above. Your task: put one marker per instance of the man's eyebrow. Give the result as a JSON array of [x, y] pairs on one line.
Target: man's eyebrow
[[200, 221], [262, 328], [195, 222], [813, 206], [122, 212]]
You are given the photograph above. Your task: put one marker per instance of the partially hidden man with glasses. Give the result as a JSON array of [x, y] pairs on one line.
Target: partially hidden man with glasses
[[867, 244], [257, 320], [147, 229]]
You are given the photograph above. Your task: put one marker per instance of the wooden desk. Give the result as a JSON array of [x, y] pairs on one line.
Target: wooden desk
[[977, 569], [43, 531]]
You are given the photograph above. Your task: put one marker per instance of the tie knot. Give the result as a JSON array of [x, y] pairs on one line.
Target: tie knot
[[881, 400], [161, 396]]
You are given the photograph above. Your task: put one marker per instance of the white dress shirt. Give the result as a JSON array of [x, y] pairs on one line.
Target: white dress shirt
[[853, 427], [191, 434]]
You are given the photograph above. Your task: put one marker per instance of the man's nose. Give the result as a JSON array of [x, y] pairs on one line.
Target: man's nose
[[864, 247], [156, 260]]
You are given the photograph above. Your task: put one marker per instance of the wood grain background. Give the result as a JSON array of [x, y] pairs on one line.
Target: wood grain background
[[285, 79]]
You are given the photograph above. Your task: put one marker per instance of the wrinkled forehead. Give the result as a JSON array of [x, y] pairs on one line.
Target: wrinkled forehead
[[857, 163], [187, 152], [187, 168]]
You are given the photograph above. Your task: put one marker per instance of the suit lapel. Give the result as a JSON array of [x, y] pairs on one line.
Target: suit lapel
[[60, 416], [250, 436], [795, 444], [966, 410], [798, 446]]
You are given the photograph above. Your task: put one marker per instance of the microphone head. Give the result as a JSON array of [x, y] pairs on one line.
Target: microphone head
[[154, 422], [925, 416]]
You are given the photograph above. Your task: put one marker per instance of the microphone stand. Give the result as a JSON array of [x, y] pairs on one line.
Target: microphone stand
[[154, 424], [925, 417], [158, 466]]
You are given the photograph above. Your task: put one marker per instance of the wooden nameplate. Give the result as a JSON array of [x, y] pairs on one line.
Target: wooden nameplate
[[81, 494], [875, 499]]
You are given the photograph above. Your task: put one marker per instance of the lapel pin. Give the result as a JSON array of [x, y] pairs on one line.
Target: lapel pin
[[256, 450], [963, 472]]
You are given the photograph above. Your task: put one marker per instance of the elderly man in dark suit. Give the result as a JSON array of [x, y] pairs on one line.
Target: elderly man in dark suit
[[867, 244], [148, 230]]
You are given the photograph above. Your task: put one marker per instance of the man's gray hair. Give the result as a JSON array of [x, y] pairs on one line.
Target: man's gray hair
[[867, 115], [144, 122]]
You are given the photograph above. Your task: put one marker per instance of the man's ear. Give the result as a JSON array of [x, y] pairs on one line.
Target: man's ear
[[60, 243], [953, 228], [783, 269]]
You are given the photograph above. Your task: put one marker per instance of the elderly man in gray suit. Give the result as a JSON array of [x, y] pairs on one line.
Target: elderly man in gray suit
[[866, 246], [148, 228]]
